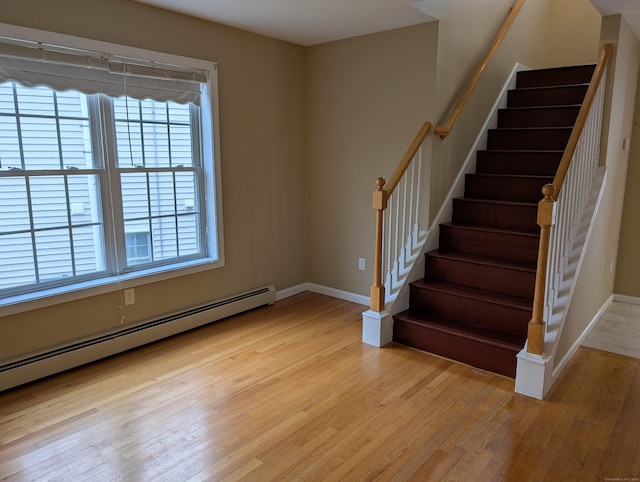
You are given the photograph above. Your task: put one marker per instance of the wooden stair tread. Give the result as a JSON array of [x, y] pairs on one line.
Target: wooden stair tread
[[531, 151], [491, 229], [464, 330], [496, 201], [484, 260], [475, 293], [544, 107], [553, 86], [510, 176], [533, 128], [567, 75]]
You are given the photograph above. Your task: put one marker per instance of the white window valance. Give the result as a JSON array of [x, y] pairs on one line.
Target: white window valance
[[33, 64]]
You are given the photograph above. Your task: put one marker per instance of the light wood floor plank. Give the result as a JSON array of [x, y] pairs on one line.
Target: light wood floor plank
[[290, 392]]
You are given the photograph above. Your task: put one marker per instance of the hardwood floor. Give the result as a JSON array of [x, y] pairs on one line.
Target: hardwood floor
[[289, 392]]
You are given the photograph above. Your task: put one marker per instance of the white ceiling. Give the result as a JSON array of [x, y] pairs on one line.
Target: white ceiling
[[305, 22], [310, 22], [630, 9]]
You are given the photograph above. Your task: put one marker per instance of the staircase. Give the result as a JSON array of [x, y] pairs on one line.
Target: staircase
[[475, 300]]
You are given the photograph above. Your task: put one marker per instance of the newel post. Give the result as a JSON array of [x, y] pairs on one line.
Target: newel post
[[377, 289], [546, 211], [377, 324]]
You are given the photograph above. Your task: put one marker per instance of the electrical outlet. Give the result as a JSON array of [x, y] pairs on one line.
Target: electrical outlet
[[611, 266], [129, 296], [361, 264]]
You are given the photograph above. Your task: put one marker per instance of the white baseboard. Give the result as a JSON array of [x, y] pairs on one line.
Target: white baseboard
[[294, 290], [574, 348], [627, 299], [323, 290], [79, 352]]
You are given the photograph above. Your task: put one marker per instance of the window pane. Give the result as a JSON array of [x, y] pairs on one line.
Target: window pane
[[126, 108], [9, 143], [153, 111], [16, 260], [129, 144], [165, 240], [14, 207], [53, 249], [72, 104], [186, 192], [88, 249], [40, 143], [188, 241], [48, 201], [179, 113], [162, 193], [181, 153], [6, 98], [35, 100], [84, 199], [75, 140], [156, 145], [135, 195]]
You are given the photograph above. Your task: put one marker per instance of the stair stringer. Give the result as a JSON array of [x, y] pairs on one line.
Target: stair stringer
[[536, 374], [397, 299]]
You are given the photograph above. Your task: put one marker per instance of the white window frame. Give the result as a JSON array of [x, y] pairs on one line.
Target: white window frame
[[212, 179]]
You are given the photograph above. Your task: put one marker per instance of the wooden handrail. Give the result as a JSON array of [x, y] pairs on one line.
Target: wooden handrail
[[444, 129], [565, 162], [408, 157], [547, 208], [380, 198]]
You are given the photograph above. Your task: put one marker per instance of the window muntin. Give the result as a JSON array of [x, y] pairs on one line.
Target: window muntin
[[53, 181]]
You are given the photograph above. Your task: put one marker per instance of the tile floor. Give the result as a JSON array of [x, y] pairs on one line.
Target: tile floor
[[617, 330]]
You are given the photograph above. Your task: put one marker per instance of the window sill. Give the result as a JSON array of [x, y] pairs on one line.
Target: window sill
[[12, 305]]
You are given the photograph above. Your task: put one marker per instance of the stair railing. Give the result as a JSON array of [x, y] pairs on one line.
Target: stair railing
[[564, 202], [444, 129], [398, 235]]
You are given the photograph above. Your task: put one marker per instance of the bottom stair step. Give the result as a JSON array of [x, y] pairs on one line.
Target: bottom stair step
[[485, 349]]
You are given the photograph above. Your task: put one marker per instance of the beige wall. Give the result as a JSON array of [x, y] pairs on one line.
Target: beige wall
[[544, 34], [458, 57], [574, 27], [627, 281], [596, 279], [367, 97], [262, 126]]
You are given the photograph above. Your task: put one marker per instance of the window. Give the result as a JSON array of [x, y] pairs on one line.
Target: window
[[106, 168]]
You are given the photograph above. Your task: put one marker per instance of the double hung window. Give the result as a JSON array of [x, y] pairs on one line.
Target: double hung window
[[106, 167]]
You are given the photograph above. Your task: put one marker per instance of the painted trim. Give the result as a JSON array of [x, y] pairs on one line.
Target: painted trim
[[633, 300], [294, 290], [342, 295], [323, 290]]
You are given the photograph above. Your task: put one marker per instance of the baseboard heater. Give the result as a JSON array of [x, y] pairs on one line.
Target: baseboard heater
[[20, 371]]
